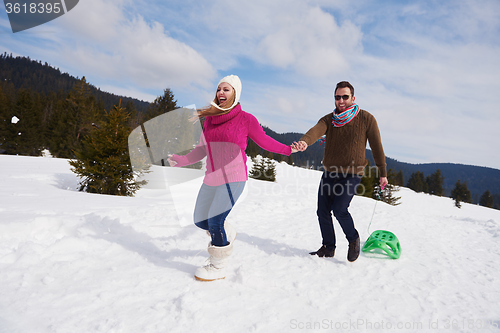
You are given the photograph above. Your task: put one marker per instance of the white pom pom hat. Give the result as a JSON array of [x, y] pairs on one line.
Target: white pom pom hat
[[235, 82]]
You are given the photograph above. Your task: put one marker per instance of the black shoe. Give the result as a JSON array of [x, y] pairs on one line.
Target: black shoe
[[353, 252], [324, 252]]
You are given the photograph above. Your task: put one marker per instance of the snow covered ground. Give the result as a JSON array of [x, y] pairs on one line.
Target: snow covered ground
[[79, 262]]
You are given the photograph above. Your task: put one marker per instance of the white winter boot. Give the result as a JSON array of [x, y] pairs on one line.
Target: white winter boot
[[216, 267]]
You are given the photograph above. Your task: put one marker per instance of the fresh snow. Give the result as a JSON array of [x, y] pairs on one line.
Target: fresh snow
[[77, 262]]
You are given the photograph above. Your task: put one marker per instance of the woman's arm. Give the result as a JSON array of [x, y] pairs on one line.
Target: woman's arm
[[257, 134], [195, 155]]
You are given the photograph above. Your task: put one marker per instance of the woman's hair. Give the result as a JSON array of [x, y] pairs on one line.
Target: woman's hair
[[213, 111]]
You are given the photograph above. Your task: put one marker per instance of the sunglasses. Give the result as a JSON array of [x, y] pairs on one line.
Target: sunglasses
[[344, 97]]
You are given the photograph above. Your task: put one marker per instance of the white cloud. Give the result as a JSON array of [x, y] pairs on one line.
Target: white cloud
[[428, 70], [310, 43], [288, 35], [106, 40]]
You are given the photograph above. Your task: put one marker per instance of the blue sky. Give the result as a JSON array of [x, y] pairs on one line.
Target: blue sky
[[428, 70]]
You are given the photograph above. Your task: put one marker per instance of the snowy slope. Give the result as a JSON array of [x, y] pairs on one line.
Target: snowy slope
[[79, 262]]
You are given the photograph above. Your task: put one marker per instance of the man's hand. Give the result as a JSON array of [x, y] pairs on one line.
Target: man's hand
[[383, 182], [299, 146]]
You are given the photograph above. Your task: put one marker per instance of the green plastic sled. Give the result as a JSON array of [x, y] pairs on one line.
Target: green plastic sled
[[385, 241]]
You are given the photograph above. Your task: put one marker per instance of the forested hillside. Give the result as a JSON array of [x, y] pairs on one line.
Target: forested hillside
[[23, 73], [42, 108], [479, 179]]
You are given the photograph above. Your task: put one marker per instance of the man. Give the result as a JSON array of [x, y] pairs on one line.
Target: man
[[346, 132]]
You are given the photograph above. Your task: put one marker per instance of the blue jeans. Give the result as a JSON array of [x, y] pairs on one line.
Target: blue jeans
[[335, 194], [213, 206]]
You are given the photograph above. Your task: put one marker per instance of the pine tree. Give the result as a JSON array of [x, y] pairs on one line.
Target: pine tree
[[103, 162], [7, 128], [263, 169], [486, 199], [461, 193], [417, 182], [399, 179], [391, 177], [369, 186], [270, 170], [72, 119], [61, 139], [83, 105], [160, 105], [435, 183], [368, 183], [387, 195], [28, 139], [132, 110]]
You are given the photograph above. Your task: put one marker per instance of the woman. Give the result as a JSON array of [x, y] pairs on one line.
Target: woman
[[225, 136]]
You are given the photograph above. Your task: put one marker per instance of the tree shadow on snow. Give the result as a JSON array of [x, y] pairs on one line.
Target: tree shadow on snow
[[113, 231]]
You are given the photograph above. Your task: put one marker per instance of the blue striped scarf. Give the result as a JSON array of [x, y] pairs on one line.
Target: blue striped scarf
[[345, 117], [341, 119]]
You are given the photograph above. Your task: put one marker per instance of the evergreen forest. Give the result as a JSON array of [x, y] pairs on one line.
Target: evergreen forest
[[43, 109]]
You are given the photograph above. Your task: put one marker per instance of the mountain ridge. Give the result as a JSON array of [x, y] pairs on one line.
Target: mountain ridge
[[43, 78], [479, 178], [25, 73]]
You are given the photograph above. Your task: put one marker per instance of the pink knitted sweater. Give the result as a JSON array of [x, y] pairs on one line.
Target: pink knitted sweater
[[223, 141]]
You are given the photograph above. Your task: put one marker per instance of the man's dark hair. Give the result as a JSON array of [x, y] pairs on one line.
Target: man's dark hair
[[345, 84]]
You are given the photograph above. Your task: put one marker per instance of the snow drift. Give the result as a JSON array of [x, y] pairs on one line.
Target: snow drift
[[79, 262]]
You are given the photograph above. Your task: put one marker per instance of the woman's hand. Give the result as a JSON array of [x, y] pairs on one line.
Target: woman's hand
[[170, 161], [298, 146]]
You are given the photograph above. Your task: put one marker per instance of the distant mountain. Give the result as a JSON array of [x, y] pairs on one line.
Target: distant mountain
[[479, 179], [24, 73]]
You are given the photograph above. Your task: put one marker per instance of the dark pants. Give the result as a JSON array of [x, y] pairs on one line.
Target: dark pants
[[335, 194]]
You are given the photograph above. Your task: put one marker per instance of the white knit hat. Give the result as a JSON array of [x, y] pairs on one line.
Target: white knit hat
[[235, 82]]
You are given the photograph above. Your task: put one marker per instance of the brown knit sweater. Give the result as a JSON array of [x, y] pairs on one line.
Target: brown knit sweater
[[345, 146]]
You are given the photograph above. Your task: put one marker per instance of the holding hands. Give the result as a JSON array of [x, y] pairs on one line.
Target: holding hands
[[298, 146]]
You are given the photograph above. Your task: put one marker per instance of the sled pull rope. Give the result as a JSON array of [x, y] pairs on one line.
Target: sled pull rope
[[377, 198]]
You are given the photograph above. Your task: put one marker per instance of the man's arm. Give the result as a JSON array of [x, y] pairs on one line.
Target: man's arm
[[313, 134], [378, 151]]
